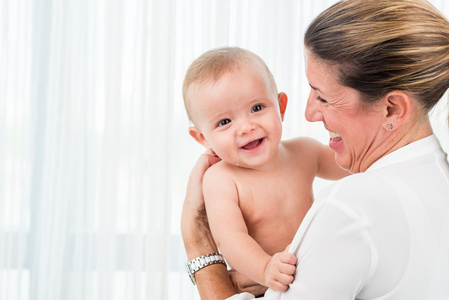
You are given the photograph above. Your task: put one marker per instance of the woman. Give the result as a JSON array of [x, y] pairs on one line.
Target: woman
[[376, 68]]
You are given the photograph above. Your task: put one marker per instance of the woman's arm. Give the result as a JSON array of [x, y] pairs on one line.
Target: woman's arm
[[213, 282]]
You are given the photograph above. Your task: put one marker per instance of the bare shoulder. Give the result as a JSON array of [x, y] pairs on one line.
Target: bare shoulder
[[319, 157], [219, 181], [305, 147], [220, 170]]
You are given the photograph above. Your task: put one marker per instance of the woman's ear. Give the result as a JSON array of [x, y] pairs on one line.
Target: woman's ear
[[397, 108], [282, 100], [199, 137]]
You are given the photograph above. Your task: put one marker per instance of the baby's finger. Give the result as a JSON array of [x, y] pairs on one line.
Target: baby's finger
[[284, 279], [287, 258], [287, 269], [279, 286]]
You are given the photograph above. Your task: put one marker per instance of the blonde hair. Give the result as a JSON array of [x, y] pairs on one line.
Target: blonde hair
[[381, 45], [212, 64]]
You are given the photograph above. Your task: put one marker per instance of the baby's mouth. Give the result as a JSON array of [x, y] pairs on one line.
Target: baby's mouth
[[252, 145]]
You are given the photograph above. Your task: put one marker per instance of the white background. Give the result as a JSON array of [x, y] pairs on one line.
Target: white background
[[94, 149]]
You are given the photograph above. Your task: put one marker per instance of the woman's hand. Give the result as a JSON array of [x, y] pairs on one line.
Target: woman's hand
[[194, 201], [244, 284], [213, 282], [194, 226]]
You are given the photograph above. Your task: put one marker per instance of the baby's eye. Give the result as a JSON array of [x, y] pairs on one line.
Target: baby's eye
[[224, 122], [257, 108]]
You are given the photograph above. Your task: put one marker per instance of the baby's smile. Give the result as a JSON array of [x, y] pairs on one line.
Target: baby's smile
[[254, 144]]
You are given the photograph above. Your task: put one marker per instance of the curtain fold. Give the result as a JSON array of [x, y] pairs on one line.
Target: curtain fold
[[95, 153]]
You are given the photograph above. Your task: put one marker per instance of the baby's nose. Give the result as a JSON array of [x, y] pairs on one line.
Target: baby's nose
[[246, 126]]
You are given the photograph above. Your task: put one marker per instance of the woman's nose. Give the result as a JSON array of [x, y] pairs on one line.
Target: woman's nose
[[313, 112]]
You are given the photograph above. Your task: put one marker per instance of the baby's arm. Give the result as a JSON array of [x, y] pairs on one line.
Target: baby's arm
[[324, 156], [231, 234], [327, 167]]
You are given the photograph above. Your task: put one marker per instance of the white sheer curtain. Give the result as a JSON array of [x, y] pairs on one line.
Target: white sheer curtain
[[94, 150]]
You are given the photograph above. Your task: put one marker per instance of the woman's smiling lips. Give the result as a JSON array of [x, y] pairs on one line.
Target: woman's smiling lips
[[334, 140], [334, 137]]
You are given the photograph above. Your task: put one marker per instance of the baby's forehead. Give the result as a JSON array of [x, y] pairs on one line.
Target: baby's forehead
[[212, 76]]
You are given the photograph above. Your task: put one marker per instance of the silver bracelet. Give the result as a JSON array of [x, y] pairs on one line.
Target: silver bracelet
[[203, 261]]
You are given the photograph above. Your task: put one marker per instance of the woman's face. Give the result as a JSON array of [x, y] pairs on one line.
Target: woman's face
[[356, 131]]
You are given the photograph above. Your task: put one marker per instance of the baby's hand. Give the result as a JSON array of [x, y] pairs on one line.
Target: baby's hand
[[279, 271]]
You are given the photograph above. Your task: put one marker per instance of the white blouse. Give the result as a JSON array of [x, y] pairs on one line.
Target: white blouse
[[381, 234]]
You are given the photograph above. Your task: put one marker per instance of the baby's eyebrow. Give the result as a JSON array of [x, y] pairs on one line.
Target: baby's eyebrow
[[217, 118]]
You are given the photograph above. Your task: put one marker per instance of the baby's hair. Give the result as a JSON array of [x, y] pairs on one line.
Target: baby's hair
[[214, 63]]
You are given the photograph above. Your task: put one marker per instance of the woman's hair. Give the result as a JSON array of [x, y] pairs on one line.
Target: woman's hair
[[214, 63], [381, 45]]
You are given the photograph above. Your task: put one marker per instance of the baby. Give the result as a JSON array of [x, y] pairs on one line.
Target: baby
[[258, 194]]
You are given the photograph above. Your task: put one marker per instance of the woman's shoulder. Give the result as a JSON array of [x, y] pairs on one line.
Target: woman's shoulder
[[359, 189]]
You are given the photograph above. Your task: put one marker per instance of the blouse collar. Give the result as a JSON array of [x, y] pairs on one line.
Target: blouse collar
[[418, 148]]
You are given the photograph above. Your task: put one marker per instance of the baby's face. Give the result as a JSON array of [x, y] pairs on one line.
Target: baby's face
[[238, 116]]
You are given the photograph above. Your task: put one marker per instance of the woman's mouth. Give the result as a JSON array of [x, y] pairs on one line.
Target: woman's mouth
[[335, 141], [253, 145], [334, 137]]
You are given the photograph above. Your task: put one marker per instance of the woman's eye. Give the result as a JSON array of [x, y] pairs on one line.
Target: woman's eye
[[321, 99], [257, 108], [224, 122]]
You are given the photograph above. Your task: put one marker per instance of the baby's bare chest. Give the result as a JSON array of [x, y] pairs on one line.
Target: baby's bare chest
[[261, 200], [274, 208]]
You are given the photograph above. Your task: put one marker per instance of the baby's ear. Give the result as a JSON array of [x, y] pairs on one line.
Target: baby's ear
[[199, 137], [282, 99]]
